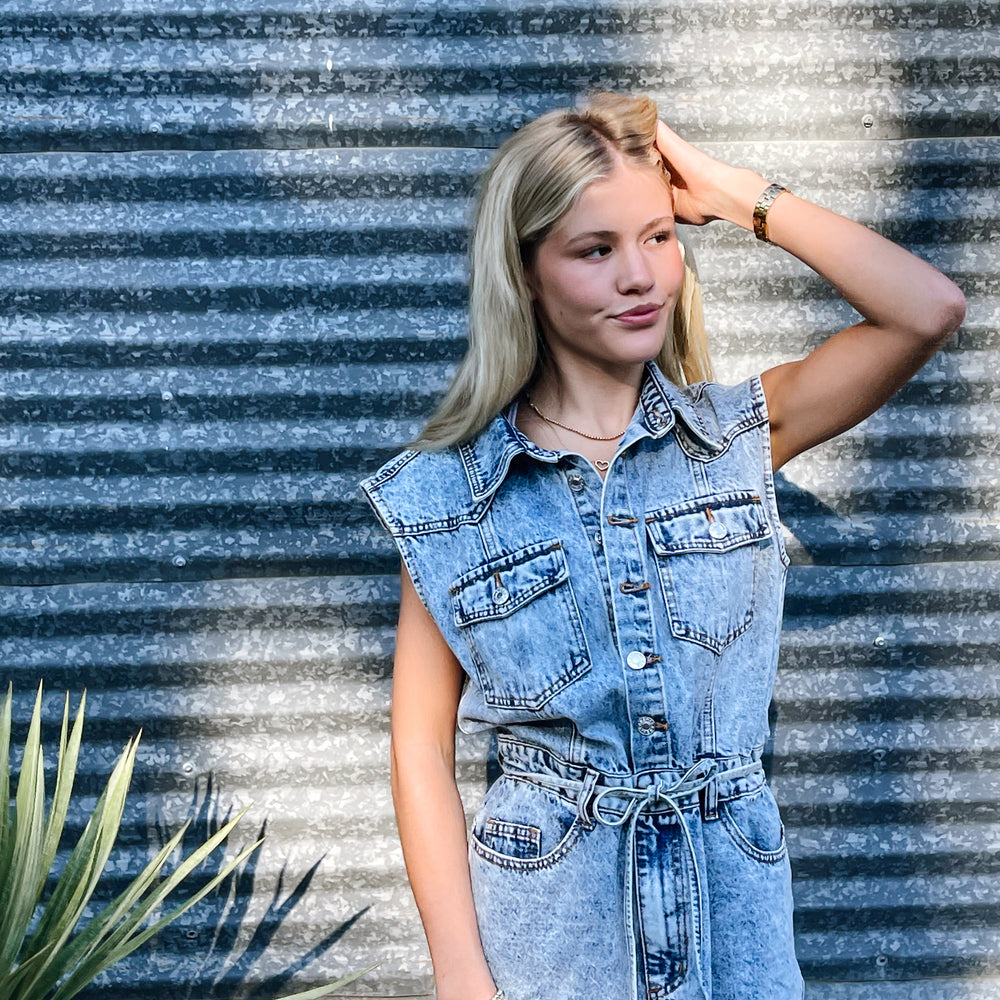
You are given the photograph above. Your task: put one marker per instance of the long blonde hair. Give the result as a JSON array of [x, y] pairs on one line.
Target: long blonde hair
[[533, 180]]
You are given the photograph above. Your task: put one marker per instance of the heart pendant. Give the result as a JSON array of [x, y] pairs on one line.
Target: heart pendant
[[603, 466]]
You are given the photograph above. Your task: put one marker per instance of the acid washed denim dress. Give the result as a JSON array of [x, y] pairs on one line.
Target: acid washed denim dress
[[621, 636]]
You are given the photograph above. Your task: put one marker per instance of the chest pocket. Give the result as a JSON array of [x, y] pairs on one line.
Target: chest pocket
[[521, 621], [707, 552]]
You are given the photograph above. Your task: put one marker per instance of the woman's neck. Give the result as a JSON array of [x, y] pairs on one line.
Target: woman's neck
[[594, 400]]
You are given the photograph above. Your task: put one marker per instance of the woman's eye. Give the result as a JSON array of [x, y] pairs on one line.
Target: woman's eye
[[596, 252], [663, 237]]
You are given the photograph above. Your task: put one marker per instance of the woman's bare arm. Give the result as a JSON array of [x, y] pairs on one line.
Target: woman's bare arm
[[427, 682], [909, 307]]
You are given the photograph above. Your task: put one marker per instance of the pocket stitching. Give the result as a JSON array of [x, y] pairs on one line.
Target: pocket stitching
[[522, 833], [573, 833], [521, 557], [664, 552], [577, 662], [684, 630], [746, 846], [561, 849], [749, 499]]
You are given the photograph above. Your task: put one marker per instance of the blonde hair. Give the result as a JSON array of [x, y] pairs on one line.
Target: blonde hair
[[533, 180]]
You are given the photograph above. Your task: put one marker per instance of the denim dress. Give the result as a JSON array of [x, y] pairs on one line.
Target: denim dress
[[621, 637]]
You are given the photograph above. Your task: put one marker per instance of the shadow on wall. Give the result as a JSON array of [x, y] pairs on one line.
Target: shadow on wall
[[214, 949], [226, 965], [901, 547]]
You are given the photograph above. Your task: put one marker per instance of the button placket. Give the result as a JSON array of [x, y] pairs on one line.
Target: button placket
[[632, 596], [590, 519]]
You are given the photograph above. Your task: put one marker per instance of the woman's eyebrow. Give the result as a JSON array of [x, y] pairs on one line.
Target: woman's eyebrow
[[594, 234], [607, 234]]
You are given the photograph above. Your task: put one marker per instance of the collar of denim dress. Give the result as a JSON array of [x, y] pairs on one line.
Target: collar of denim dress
[[662, 405]]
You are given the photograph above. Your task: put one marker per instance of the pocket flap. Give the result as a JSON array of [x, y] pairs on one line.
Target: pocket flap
[[708, 524], [502, 586]]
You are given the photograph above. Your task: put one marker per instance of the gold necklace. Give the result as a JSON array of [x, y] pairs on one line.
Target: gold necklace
[[566, 427]]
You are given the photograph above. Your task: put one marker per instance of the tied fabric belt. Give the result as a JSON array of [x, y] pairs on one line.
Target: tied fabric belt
[[594, 797]]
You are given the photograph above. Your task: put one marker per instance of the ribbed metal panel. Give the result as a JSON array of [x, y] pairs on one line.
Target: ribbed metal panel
[[215, 316]]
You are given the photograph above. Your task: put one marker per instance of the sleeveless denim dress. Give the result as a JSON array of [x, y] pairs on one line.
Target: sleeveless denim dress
[[621, 637]]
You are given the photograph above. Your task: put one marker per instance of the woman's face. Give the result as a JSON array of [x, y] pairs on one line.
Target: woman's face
[[605, 279]]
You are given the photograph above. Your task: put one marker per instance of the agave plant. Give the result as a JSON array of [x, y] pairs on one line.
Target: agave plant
[[48, 956]]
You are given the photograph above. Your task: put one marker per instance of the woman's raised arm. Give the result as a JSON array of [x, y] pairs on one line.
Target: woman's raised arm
[[909, 307], [426, 685]]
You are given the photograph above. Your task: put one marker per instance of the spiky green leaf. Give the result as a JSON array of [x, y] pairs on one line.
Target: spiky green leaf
[[19, 895], [98, 927], [127, 938], [99, 942], [87, 861], [6, 832], [321, 991], [54, 959], [69, 754]]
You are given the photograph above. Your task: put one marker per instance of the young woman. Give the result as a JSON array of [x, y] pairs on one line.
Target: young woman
[[593, 566]]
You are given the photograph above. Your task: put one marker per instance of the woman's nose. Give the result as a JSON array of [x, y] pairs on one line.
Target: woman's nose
[[635, 273]]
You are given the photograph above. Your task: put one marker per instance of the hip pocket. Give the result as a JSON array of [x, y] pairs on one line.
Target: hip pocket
[[524, 827], [521, 621], [754, 826], [706, 553]]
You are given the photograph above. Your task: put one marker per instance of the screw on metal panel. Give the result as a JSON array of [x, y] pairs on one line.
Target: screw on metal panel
[[879, 753], [167, 396], [179, 561], [868, 121], [881, 960], [874, 544], [155, 127], [188, 767], [329, 65], [879, 641]]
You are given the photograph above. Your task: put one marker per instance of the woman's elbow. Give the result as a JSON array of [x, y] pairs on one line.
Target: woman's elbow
[[942, 320], [413, 757]]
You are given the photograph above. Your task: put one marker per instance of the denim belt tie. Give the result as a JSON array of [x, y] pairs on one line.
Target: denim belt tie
[[591, 793]]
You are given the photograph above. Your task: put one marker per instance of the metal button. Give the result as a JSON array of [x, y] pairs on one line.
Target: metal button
[[500, 596], [598, 539], [636, 660], [646, 725], [576, 482], [718, 530]]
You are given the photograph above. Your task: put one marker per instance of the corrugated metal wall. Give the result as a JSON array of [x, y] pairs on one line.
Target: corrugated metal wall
[[232, 281]]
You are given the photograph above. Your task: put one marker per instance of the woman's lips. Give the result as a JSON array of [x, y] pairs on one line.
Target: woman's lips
[[640, 315]]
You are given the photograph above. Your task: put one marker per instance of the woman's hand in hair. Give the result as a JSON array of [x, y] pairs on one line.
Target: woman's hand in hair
[[908, 307], [705, 188]]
